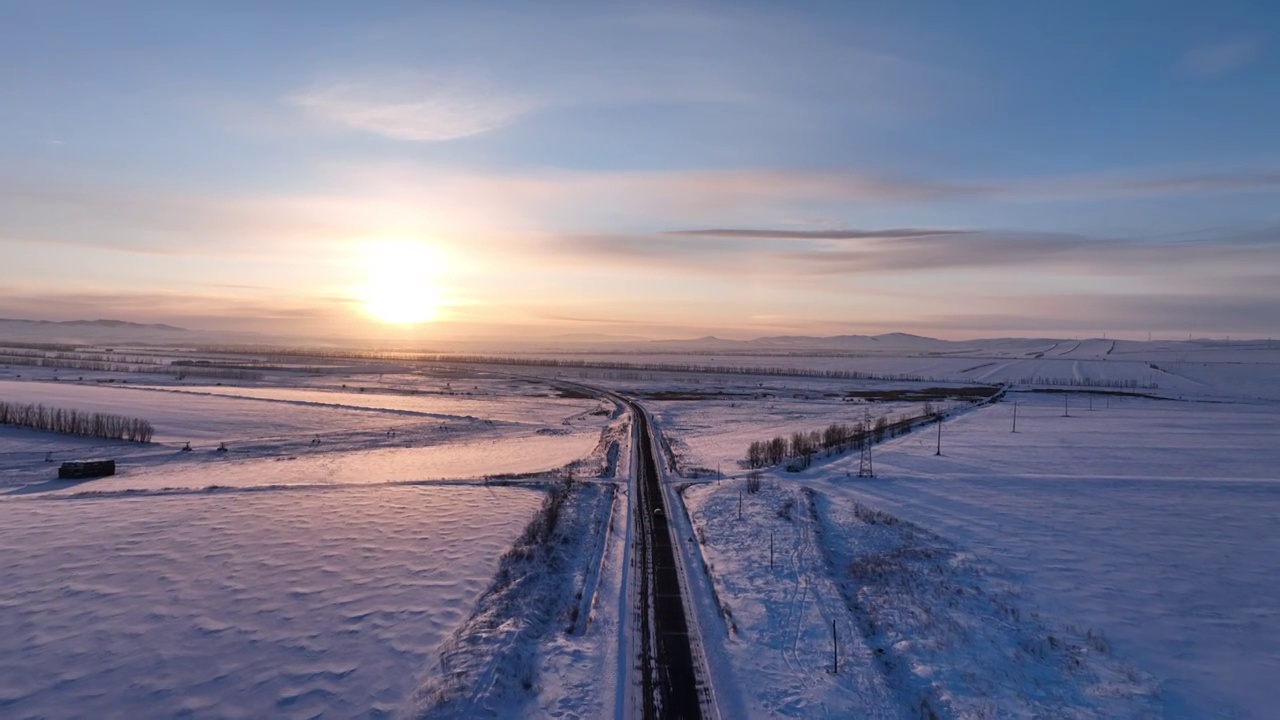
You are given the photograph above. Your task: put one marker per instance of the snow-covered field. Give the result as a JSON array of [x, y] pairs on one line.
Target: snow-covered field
[[344, 558], [715, 432], [235, 413], [1202, 368], [294, 435], [497, 407], [314, 569], [780, 608], [837, 610], [1157, 523], [240, 605], [1151, 525]]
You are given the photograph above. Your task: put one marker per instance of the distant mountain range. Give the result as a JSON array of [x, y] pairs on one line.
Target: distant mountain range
[[95, 323], [122, 332], [91, 332]]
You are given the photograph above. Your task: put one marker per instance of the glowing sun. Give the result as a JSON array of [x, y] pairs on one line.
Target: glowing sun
[[401, 286]]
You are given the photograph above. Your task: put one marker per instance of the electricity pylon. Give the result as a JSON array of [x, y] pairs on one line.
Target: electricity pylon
[[865, 468]]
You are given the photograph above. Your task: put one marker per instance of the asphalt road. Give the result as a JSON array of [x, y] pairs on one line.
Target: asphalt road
[[668, 672]]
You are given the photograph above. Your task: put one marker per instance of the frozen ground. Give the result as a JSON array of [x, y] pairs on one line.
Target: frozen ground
[[778, 612], [1201, 368], [240, 605], [1153, 522], [314, 569], [472, 460], [539, 640], [1143, 535], [199, 419], [714, 432], [290, 435], [923, 628], [507, 408], [237, 413]]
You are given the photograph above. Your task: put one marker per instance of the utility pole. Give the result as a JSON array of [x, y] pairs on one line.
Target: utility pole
[[835, 650], [1066, 411], [939, 452], [1015, 416]]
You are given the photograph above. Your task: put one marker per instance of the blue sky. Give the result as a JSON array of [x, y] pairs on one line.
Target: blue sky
[[955, 169]]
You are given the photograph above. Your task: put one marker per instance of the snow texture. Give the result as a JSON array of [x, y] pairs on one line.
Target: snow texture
[[240, 605]]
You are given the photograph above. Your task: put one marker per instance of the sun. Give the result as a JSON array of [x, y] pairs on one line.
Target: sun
[[401, 285]]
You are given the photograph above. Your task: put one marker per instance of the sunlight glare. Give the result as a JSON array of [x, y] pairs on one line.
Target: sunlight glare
[[402, 285]]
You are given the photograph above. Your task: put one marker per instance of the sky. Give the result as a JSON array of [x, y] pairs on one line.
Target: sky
[[430, 171]]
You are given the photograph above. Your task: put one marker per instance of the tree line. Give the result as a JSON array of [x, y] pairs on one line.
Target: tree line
[[274, 353], [408, 356], [219, 373], [64, 364], [10, 350], [102, 366], [1128, 384], [75, 422], [677, 367], [836, 438]]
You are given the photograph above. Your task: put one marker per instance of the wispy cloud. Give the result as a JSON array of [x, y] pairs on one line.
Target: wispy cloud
[[800, 254], [1205, 183], [599, 212], [813, 234], [155, 221], [970, 250], [580, 201], [424, 108], [1213, 61]]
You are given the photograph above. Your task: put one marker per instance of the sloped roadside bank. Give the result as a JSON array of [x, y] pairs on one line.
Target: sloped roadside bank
[[924, 629], [490, 666]]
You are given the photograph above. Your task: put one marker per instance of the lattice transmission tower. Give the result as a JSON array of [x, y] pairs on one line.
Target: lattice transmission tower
[[865, 469]]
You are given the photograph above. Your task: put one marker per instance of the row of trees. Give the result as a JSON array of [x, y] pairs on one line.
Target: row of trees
[[273, 353], [37, 346], [218, 373], [676, 367], [104, 357], [1128, 384], [835, 438], [100, 366], [75, 422], [90, 365], [86, 356]]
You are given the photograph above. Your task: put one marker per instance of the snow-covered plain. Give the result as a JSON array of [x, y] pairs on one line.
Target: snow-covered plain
[[780, 609], [240, 605], [313, 569], [922, 628], [1141, 536], [1155, 522], [1248, 370], [1150, 525], [293, 435], [714, 432]]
